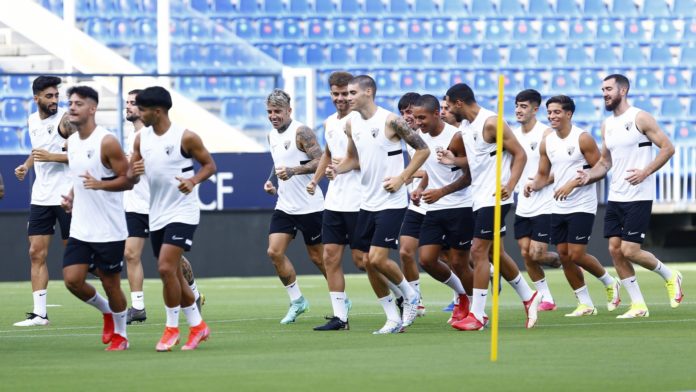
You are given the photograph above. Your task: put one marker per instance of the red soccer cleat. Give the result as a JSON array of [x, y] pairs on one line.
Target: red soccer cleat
[[460, 310], [197, 334], [108, 330], [118, 343], [169, 339], [470, 323], [546, 306]]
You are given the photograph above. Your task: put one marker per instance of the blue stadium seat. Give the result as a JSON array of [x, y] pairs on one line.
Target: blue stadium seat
[[562, 80], [632, 54], [350, 7], [244, 28], [232, 110], [589, 81], [149, 7], [340, 54], [585, 109], [594, 8], [511, 86], [315, 55], [290, 54], [576, 55], [567, 8], [673, 80], [144, 56], [485, 82], [384, 80], [145, 30], [435, 81], [684, 7], [439, 29], [495, 31], [490, 55], [664, 30], [689, 30], [98, 28], [342, 29], [9, 139], [604, 54], [552, 30], [268, 29], [425, 7], [409, 81], [646, 80], [465, 55], [660, 54], [454, 8], [653, 8], [391, 54], [692, 108], [201, 30], [221, 56], [509, 8], [365, 54], [483, 8], [466, 30], [633, 30], [458, 76], [374, 8], [624, 8], [548, 55], [14, 111], [399, 7], [132, 8], [104, 8], [55, 6], [608, 30], [256, 111], [671, 106], [317, 30], [685, 132], [18, 85], [367, 29], [520, 55], [199, 5], [540, 8], [522, 30], [392, 30], [300, 7], [325, 107], [292, 28], [688, 54], [644, 102], [416, 55], [324, 7], [580, 30], [189, 56], [271, 50], [273, 7], [417, 29], [247, 6]]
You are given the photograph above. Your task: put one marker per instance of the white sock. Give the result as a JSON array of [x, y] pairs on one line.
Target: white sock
[[478, 304], [394, 289], [663, 271], [390, 309], [583, 296], [455, 297], [138, 300], [415, 285], [543, 289], [455, 284], [631, 285], [120, 323], [294, 291], [172, 316], [40, 302], [193, 315], [194, 288], [338, 303], [606, 279], [521, 287], [407, 290], [100, 303]]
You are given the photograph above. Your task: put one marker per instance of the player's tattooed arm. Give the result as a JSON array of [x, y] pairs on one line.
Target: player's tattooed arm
[[399, 126], [65, 127], [307, 142], [411, 137]]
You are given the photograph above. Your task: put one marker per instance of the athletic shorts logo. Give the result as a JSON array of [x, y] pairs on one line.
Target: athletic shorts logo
[[177, 238], [486, 231], [315, 237], [462, 243], [542, 235], [632, 233], [388, 239], [578, 238]]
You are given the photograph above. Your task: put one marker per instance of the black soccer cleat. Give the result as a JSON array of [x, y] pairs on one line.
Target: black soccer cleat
[[334, 324], [137, 315]]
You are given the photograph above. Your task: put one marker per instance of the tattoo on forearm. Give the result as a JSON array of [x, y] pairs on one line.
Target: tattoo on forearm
[[66, 127], [307, 141], [411, 137]]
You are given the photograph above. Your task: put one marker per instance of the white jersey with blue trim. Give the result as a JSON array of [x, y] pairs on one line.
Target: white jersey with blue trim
[[52, 178]]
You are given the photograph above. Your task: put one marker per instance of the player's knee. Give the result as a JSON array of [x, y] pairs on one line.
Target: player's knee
[[615, 250], [630, 250], [275, 255], [131, 256], [575, 255], [166, 269], [479, 253], [38, 254], [406, 255], [73, 283]]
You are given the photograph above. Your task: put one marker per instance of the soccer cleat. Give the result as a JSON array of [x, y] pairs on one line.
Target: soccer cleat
[[199, 302], [546, 306], [169, 339], [334, 324], [138, 315], [197, 334], [461, 310], [33, 320], [636, 310], [583, 310], [297, 307], [449, 308], [389, 327], [674, 289], [108, 329], [400, 305], [420, 308], [118, 343], [613, 299], [531, 308], [410, 312], [470, 323]]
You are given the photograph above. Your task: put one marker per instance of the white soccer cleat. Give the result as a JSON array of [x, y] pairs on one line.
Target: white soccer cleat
[[390, 326], [613, 297], [410, 312], [33, 320], [636, 310], [582, 310]]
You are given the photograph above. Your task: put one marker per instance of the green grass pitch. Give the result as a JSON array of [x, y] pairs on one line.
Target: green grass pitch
[[250, 351]]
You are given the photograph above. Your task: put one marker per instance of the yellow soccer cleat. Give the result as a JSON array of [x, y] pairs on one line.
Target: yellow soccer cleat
[[636, 310], [674, 289], [583, 310], [613, 298]]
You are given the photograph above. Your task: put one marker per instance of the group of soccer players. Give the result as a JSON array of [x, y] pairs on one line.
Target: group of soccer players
[[82, 178], [445, 218]]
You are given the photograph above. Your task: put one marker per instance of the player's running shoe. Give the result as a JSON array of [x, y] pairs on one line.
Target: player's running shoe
[[169, 339], [674, 289], [137, 315], [297, 307], [33, 320], [420, 308], [410, 311], [613, 299], [461, 310], [334, 324], [197, 335], [118, 343], [546, 306], [449, 308], [583, 310], [389, 327], [531, 308], [470, 323], [636, 310], [108, 329]]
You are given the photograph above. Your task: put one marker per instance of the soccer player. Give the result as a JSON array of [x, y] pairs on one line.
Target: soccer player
[[49, 129], [445, 193], [165, 152], [479, 136], [296, 155], [445, 114], [98, 229], [374, 146], [561, 154], [341, 205], [533, 213], [627, 139]]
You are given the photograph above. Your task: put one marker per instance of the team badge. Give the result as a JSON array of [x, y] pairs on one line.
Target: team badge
[[475, 136], [49, 128], [168, 149], [286, 144], [628, 125], [533, 145], [90, 152], [571, 150], [374, 131]]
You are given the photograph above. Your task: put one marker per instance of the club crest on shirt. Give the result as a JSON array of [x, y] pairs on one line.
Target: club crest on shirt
[[286, 144], [168, 149], [475, 136], [533, 145], [90, 152], [571, 150], [628, 125], [50, 128], [374, 132]]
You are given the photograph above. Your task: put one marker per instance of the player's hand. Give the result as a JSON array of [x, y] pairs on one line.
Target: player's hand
[[393, 184], [311, 187], [186, 185], [430, 196], [21, 172], [529, 188], [138, 168], [90, 182], [66, 203], [563, 192], [504, 193], [446, 157], [636, 176], [416, 196], [583, 177], [284, 173], [40, 155], [269, 188], [330, 171]]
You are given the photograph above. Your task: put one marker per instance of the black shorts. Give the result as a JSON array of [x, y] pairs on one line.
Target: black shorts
[[175, 233], [454, 227], [483, 222], [536, 227], [138, 225], [106, 256], [378, 228], [308, 224], [338, 227], [628, 220], [42, 220], [411, 226], [574, 228]]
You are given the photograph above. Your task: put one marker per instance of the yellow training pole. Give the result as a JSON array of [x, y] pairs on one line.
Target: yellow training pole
[[496, 220]]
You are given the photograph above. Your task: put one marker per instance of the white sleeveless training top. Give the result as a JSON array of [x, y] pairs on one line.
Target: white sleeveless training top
[[538, 203], [293, 198], [343, 194], [440, 175], [379, 158], [481, 157], [97, 215], [164, 161], [52, 178], [137, 199], [630, 149], [566, 159]]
